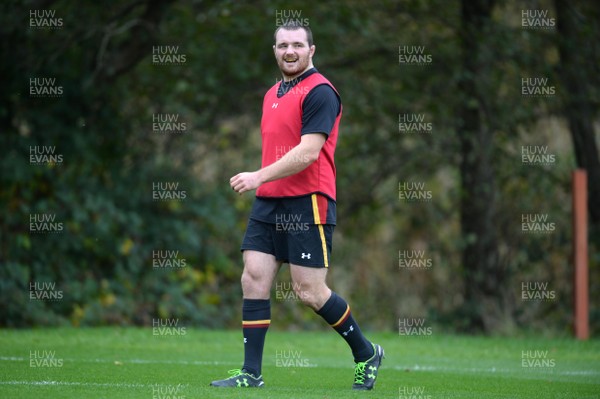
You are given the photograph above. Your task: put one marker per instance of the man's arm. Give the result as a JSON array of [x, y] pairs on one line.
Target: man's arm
[[294, 161]]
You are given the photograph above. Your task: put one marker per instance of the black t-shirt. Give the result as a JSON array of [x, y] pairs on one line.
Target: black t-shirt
[[320, 108]]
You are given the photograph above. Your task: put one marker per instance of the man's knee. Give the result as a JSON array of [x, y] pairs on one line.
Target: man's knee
[[313, 296], [253, 280], [310, 300], [258, 274], [248, 278], [310, 286]]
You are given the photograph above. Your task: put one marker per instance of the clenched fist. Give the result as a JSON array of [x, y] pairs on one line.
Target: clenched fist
[[245, 181]]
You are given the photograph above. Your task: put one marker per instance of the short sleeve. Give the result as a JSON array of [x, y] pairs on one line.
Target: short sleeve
[[320, 108]]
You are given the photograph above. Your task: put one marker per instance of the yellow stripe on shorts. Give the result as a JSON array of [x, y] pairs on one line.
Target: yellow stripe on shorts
[[323, 244], [317, 217], [315, 205]]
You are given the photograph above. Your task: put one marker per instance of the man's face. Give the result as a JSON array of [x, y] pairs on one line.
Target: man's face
[[292, 52]]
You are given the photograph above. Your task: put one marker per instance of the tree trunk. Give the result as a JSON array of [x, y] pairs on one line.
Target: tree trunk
[[483, 276], [576, 33]]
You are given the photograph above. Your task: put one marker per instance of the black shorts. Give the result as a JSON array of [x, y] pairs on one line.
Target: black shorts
[[300, 244]]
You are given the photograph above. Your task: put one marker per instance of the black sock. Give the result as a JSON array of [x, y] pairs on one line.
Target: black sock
[[256, 318], [337, 313]]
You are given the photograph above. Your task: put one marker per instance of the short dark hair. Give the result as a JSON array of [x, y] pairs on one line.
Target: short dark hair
[[295, 25]]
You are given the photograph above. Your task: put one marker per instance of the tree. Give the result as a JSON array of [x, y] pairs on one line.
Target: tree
[[579, 56], [482, 273]]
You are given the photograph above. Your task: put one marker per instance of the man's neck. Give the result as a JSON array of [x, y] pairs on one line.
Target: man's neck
[[290, 78]]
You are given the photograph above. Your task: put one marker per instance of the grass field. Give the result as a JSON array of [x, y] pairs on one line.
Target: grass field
[[135, 363]]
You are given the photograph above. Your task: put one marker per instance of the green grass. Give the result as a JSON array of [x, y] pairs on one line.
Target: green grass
[[131, 362]]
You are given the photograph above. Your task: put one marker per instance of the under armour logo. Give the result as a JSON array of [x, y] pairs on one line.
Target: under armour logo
[[245, 340], [274, 105], [345, 333], [305, 256], [372, 368], [240, 383]]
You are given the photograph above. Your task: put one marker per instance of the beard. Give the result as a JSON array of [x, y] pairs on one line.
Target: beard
[[291, 69]]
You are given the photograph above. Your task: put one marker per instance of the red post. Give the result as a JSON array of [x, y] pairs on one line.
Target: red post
[[580, 255]]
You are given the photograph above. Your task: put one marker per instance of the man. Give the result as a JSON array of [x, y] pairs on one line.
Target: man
[[299, 128]]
